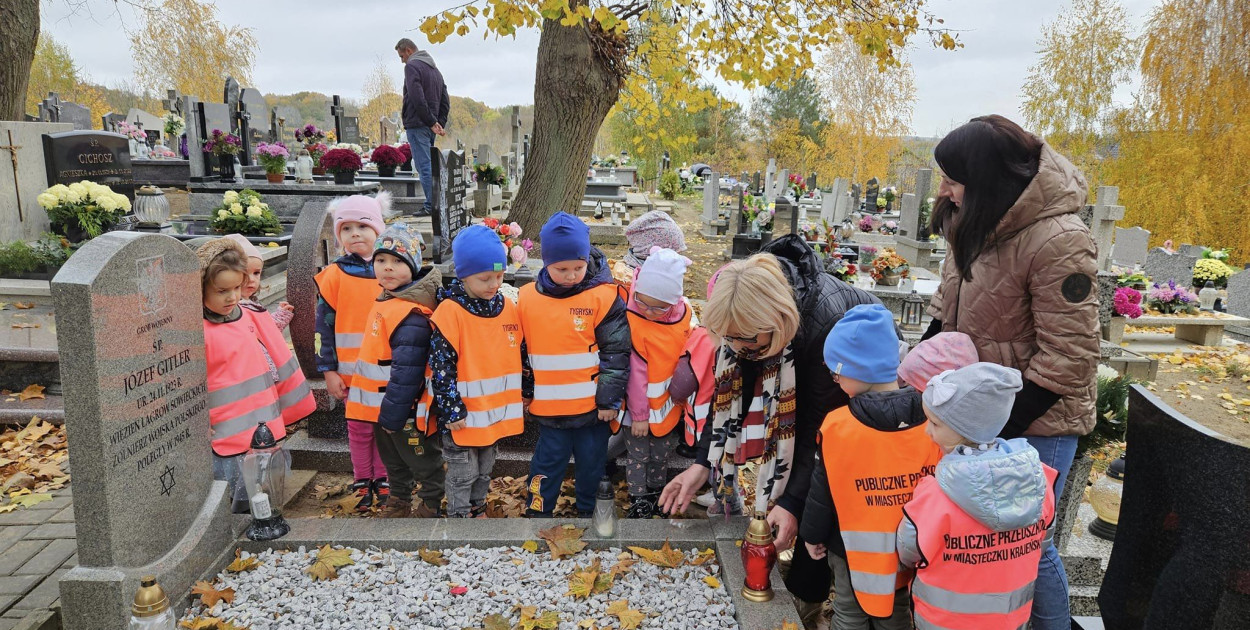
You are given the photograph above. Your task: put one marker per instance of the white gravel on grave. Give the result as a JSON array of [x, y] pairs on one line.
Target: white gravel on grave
[[392, 589]]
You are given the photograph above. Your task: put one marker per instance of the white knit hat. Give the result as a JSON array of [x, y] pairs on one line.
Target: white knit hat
[[662, 275]]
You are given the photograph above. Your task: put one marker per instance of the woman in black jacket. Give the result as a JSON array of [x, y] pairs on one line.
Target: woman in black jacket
[[772, 313]]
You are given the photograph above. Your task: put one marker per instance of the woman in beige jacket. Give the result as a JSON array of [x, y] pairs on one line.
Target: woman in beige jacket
[[1020, 278]]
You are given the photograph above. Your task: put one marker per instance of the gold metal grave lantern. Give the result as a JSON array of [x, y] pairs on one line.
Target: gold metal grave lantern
[[1104, 497], [150, 610]]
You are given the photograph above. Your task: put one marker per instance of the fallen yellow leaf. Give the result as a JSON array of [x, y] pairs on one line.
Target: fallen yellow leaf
[[241, 564], [530, 546], [712, 581], [33, 391], [432, 557], [563, 540], [328, 561], [665, 556], [210, 594]]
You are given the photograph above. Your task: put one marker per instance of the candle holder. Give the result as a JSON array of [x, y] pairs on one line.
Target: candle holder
[[759, 555]]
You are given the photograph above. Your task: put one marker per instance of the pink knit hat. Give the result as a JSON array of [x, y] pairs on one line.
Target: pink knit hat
[[248, 248], [361, 209], [942, 352]]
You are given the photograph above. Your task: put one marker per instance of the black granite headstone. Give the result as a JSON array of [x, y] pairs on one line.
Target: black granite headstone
[[1182, 546], [871, 190], [450, 213], [97, 156], [213, 116], [260, 122], [76, 115], [351, 130]]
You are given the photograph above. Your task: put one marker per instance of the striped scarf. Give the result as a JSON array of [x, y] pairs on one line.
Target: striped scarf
[[764, 434]]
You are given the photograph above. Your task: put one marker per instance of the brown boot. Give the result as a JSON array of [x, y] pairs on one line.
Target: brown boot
[[397, 508], [421, 510]]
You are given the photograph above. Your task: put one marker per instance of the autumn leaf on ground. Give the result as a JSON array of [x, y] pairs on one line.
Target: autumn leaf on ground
[[33, 391], [582, 582], [458, 590], [201, 623], [210, 594], [586, 623], [665, 556], [46, 470], [23, 305], [432, 557], [563, 540], [31, 500], [241, 564], [530, 546], [622, 566], [628, 617], [549, 620], [712, 581], [703, 557], [324, 492], [328, 561], [496, 622], [788, 625]]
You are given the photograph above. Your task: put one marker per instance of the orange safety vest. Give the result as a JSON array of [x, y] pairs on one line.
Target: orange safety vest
[[560, 338], [985, 581], [373, 365], [659, 344], [242, 391], [488, 371], [871, 475], [701, 349], [351, 298]]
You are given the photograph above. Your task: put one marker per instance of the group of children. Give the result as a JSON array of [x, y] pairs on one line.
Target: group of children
[[912, 487]]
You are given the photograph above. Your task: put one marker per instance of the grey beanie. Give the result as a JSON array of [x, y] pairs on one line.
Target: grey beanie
[[974, 401]]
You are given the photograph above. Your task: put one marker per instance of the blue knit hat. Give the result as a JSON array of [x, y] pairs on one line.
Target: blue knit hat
[[401, 242], [863, 345], [564, 237], [476, 249]]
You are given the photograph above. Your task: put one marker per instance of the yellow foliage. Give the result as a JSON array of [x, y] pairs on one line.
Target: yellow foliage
[[192, 52], [381, 97], [53, 70]]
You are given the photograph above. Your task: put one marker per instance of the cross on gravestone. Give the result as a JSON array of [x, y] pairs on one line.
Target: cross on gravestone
[[242, 120], [516, 129], [173, 102], [1162, 266], [1130, 246], [108, 122], [13, 148], [130, 327], [336, 111], [1102, 222], [50, 108], [871, 189]]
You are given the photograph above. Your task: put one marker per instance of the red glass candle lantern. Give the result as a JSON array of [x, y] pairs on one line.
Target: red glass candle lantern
[[758, 557]]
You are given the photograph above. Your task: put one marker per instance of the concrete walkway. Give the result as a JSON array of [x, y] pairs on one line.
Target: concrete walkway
[[37, 546]]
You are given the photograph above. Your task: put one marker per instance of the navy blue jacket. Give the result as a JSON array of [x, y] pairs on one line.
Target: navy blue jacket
[[425, 95], [410, 349]]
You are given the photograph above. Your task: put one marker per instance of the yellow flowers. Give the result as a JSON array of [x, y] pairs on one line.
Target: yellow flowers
[[236, 208]]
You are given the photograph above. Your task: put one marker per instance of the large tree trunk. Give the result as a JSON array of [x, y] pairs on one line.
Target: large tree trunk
[[573, 90], [18, 39]]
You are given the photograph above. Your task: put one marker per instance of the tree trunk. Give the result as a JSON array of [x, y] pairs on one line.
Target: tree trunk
[[17, 50], [573, 90]]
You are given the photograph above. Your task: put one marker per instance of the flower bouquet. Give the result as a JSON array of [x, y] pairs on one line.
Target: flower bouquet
[[888, 268], [881, 203], [273, 157], [841, 268], [1127, 303], [244, 213], [132, 132], [387, 158], [309, 135], [759, 213], [1213, 270], [224, 146], [487, 174], [508, 234], [83, 210], [350, 146], [866, 224], [798, 185], [889, 193], [316, 152], [174, 125], [406, 149], [1171, 299], [888, 228], [343, 163]]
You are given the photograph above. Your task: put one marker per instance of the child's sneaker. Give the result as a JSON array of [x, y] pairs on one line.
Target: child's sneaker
[[382, 490], [706, 499], [364, 494], [643, 507]]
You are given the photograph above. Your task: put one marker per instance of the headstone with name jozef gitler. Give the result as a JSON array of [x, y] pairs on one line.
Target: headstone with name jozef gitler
[[97, 156], [136, 399], [449, 213]]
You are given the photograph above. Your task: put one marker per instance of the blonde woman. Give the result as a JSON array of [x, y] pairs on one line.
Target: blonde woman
[[772, 313]]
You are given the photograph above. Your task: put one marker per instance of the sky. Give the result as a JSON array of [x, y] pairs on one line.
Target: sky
[[329, 46]]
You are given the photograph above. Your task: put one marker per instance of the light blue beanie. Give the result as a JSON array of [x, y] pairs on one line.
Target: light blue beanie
[[974, 401], [863, 345]]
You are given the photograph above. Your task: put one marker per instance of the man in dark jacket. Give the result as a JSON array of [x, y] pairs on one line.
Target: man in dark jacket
[[425, 109]]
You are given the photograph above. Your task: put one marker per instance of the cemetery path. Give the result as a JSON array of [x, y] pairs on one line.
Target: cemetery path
[[1220, 404], [37, 547]]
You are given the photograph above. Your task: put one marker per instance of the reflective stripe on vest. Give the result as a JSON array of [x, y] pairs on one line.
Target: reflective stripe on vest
[[660, 345], [373, 366], [871, 475], [351, 297], [295, 399], [985, 588], [560, 335], [241, 390], [488, 371], [702, 352]]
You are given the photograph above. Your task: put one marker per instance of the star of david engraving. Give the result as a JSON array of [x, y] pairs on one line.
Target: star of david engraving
[[167, 480]]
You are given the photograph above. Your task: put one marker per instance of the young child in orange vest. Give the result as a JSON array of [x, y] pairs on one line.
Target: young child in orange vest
[[975, 531], [872, 453], [251, 284], [577, 335], [252, 375], [659, 324], [475, 369], [346, 291], [388, 389]]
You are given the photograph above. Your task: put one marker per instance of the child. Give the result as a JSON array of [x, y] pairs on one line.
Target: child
[[577, 335], [388, 386], [937, 354], [975, 531], [873, 452], [251, 284], [475, 367], [346, 292], [244, 388], [659, 323]]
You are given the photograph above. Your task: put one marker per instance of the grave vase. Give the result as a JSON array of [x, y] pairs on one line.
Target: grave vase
[[890, 280], [275, 178], [1114, 331], [225, 167], [345, 178], [386, 170]]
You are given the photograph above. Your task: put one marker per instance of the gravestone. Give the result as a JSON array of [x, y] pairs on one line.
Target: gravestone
[[76, 115], [781, 187], [711, 205], [388, 130], [450, 212], [811, 183], [148, 122], [1130, 246], [337, 113], [1102, 222], [516, 130], [1192, 250], [909, 217], [1238, 302], [1162, 266], [770, 177], [828, 203], [313, 246], [275, 126], [351, 130], [1180, 558], [486, 155], [212, 117], [23, 175], [259, 123], [856, 196], [97, 156], [924, 183], [230, 98], [136, 418], [198, 166], [841, 200], [871, 189], [109, 121]]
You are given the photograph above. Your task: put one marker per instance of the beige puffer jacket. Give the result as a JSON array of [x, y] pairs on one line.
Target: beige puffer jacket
[[1032, 303]]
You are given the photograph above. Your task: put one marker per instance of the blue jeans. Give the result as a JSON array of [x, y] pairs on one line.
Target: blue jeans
[[589, 447], [420, 141], [1050, 595]]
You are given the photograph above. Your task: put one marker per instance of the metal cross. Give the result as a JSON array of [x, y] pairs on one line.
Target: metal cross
[[173, 101], [12, 149]]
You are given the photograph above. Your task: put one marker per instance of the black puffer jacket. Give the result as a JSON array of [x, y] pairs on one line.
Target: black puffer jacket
[[822, 301]]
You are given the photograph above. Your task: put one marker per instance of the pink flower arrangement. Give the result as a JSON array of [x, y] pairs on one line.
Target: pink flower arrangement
[[1127, 303], [1170, 298], [508, 233], [865, 224]]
